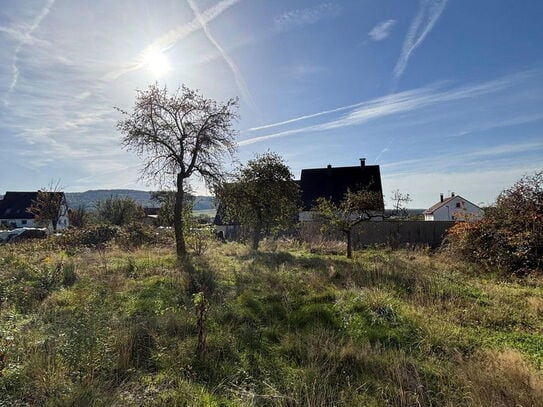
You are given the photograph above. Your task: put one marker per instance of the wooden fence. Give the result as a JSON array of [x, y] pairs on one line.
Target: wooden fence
[[390, 233], [401, 233]]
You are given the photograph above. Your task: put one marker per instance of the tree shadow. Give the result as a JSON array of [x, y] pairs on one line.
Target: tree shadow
[[277, 259], [201, 277]]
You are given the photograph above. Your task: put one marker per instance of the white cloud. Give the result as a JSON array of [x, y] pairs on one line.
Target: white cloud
[[300, 17], [507, 149], [496, 124], [23, 38], [427, 15], [381, 30], [396, 103]]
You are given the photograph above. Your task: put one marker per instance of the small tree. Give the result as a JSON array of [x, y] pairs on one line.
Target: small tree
[[179, 135], [49, 206], [262, 196], [119, 211], [354, 208]]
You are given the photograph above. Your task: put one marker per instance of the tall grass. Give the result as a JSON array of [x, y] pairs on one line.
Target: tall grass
[[287, 326]]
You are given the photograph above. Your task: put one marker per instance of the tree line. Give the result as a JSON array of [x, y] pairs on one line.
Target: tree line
[[182, 135]]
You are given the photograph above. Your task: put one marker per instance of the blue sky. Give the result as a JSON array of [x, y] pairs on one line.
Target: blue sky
[[444, 95]]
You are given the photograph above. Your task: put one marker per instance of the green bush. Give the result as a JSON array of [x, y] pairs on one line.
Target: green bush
[[119, 211], [134, 235], [93, 236], [198, 239]]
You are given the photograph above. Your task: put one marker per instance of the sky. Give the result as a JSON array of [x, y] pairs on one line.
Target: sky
[[444, 95]]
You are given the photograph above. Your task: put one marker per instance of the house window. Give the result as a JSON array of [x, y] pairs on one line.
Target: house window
[[458, 205], [23, 221]]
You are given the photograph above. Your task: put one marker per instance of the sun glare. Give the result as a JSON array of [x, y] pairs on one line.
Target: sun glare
[[157, 63]]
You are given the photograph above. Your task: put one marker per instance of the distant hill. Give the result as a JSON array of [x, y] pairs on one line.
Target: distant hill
[[88, 199]]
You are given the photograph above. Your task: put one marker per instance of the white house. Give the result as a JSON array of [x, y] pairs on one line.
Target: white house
[[14, 210], [453, 208]]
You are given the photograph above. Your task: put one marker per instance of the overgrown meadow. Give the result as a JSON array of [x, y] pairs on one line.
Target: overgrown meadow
[[121, 324]]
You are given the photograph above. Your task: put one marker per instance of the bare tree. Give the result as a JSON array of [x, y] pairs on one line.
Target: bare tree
[[398, 201], [179, 135], [49, 205]]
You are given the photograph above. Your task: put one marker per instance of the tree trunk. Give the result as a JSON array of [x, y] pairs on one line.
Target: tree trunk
[[180, 247], [349, 244], [257, 232], [54, 221]]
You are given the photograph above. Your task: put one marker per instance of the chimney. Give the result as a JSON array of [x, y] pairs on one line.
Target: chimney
[[441, 197], [452, 194], [362, 162]]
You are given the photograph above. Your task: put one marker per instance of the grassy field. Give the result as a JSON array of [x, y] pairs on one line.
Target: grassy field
[[290, 325]]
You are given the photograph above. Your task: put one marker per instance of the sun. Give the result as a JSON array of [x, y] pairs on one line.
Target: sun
[[157, 63]]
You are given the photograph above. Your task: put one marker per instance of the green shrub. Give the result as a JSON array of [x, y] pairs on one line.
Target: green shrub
[[69, 276], [119, 211], [93, 236], [134, 235], [198, 239]]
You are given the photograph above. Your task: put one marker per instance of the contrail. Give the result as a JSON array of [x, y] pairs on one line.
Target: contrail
[[402, 102], [242, 85], [172, 37], [300, 118], [384, 150], [427, 15], [27, 34]]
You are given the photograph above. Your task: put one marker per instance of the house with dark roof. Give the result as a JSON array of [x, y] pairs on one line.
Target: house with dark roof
[[453, 208], [333, 182], [14, 210], [328, 182]]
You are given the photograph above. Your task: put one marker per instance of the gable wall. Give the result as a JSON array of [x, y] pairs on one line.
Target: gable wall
[[458, 209]]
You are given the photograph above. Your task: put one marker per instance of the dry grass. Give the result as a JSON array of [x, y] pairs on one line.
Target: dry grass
[[502, 379]]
